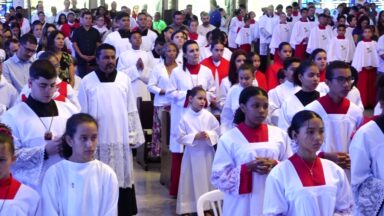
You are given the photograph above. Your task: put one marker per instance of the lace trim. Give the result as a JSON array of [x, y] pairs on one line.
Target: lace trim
[[227, 180], [28, 165], [369, 196], [136, 135]]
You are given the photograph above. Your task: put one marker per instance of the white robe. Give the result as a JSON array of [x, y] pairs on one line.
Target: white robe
[[113, 105], [365, 55], [377, 110], [282, 33], [148, 41], [341, 49], [196, 166], [127, 64], [28, 134], [266, 28], [71, 188], [319, 38], [244, 36], [202, 30], [234, 26], [8, 95], [224, 89], [300, 31], [180, 82], [201, 41], [120, 44], [206, 52], [233, 151], [380, 51], [276, 98], [158, 81], [285, 194]]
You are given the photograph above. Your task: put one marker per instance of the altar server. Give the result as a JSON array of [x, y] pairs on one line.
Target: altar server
[[300, 34], [120, 38], [281, 33], [341, 48], [320, 35], [285, 51]]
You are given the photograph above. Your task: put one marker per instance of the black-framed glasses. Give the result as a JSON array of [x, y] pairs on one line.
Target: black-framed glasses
[[342, 80], [28, 49]]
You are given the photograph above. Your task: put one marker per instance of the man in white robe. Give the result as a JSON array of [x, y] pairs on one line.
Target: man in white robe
[[107, 95], [120, 38], [148, 36], [267, 24]]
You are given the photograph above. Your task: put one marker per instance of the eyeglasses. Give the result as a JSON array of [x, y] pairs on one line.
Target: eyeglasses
[[28, 49], [342, 80]]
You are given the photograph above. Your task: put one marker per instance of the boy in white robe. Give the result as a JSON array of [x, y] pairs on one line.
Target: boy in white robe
[[341, 117], [341, 48], [86, 185], [300, 34], [148, 36], [281, 33], [137, 64], [38, 125], [120, 38], [107, 95], [234, 27], [267, 24], [244, 36], [15, 198], [320, 35]]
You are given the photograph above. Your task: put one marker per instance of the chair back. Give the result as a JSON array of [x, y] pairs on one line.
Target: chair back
[[215, 199]]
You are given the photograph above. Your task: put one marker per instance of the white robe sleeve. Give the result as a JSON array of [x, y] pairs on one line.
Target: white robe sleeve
[[153, 81], [274, 107], [83, 98], [214, 132], [185, 136], [227, 116], [344, 198], [275, 202], [312, 43], [284, 121], [72, 97], [136, 135], [50, 191], [172, 92], [109, 203]]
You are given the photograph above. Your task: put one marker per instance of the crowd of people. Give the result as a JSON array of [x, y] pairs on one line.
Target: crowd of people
[[272, 112]]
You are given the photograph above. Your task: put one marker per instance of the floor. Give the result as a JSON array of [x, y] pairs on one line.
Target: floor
[[152, 197]]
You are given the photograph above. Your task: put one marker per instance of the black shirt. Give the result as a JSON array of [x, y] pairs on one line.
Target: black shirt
[[42, 109], [103, 77], [86, 41], [124, 33], [307, 97]]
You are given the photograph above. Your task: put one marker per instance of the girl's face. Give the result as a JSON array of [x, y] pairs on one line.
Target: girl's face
[[310, 79], [198, 101], [100, 22], [193, 27], [240, 61], [83, 143], [37, 31], [179, 39], [285, 52], [245, 78], [217, 52], [59, 41], [321, 60], [310, 136], [62, 19], [353, 21], [192, 54], [256, 61], [255, 110], [171, 52], [6, 159]]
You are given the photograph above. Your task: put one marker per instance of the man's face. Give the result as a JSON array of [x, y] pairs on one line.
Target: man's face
[[205, 20], [67, 4], [87, 20], [107, 61], [26, 51], [42, 89], [124, 23], [142, 21], [178, 19]]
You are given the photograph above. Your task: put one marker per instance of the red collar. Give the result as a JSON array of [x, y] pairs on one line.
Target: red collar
[[259, 134], [295, 13], [303, 171], [193, 69], [340, 36], [240, 18], [322, 27], [252, 21], [367, 40], [193, 36], [283, 22], [9, 188], [332, 108], [303, 20]]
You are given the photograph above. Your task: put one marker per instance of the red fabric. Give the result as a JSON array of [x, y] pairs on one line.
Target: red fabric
[[367, 87], [302, 168], [193, 69], [9, 188], [252, 21], [193, 36], [300, 51], [246, 47], [222, 69], [295, 13], [245, 180], [331, 108], [253, 135], [367, 40], [175, 173], [276, 56], [322, 76], [23, 98], [321, 27], [303, 20], [74, 25], [261, 80], [66, 29], [63, 90], [321, 155], [240, 18], [340, 37], [271, 75]]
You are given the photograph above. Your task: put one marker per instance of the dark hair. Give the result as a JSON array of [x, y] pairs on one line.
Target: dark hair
[[315, 52], [87, 12], [34, 24], [40, 12], [280, 74], [349, 18], [121, 15], [250, 56], [42, 68], [176, 13], [380, 87], [215, 42], [288, 7], [362, 19], [246, 17], [177, 32], [303, 9], [6, 137], [165, 47], [133, 33], [380, 26], [47, 55], [166, 29], [28, 38], [301, 70], [59, 19], [335, 65], [232, 73], [193, 92], [245, 94], [355, 75], [287, 62], [185, 49], [325, 16], [282, 44], [160, 41], [70, 129], [51, 41], [246, 66], [104, 46], [341, 26], [299, 119]]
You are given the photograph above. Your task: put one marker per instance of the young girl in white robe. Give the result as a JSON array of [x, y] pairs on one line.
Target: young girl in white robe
[[234, 27], [305, 184], [80, 184], [281, 33], [246, 154], [307, 76], [15, 197], [199, 131], [300, 35], [244, 36]]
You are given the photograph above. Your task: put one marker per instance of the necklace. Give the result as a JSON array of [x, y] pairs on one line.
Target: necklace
[[310, 169], [5, 197], [48, 134]]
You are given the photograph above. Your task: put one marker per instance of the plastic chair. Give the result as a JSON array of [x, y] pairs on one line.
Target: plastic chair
[[215, 199]]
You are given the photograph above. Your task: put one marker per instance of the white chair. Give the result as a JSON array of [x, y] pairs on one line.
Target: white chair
[[215, 199]]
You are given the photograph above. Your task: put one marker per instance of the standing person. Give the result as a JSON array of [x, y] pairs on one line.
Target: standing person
[[157, 85], [267, 24], [341, 117], [366, 62], [380, 53], [341, 47], [281, 33], [63, 26], [158, 24], [120, 38], [85, 41], [16, 198], [320, 36], [300, 34], [199, 131], [319, 57], [86, 185], [8, 93], [244, 36], [182, 79], [357, 33], [255, 59], [38, 125], [66, 10], [178, 19], [246, 154], [148, 36], [194, 35], [284, 52], [189, 15], [119, 125], [306, 184], [205, 26], [234, 26]]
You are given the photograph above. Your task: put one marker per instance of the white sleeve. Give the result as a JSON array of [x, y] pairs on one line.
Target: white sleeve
[[83, 98], [185, 136], [153, 81], [214, 132], [284, 121], [227, 116], [136, 135], [109, 204], [50, 193], [275, 202], [344, 198]]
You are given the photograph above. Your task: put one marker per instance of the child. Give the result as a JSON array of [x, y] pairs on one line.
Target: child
[[300, 34], [194, 35], [366, 62], [101, 27], [254, 59], [16, 198], [86, 185], [281, 33], [246, 154], [283, 91], [246, 78], [198, 131], [319, 57], [341, 48], [8, 93], [320, 35], [285, 51], [167, 34], [244, 36]]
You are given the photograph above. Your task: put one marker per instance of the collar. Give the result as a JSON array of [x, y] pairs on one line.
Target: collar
[[340, 36], [332, 108], [367, 40], [259, 134], [289, 19], [155, 55], [295, 13], [103, 77], [124, 33], [322, 27], [193, 69], [303, 20], [9, 188], [302, 169], [42, 109], [193, 36], [240, 18]]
